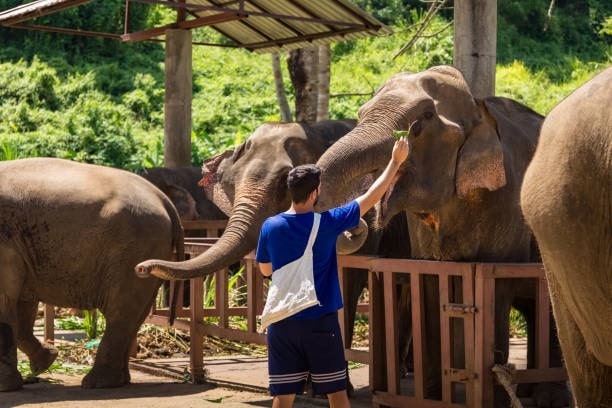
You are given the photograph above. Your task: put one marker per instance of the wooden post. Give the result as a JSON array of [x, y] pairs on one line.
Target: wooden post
[[475, 39], [177, 123], [196, 346], [49, 326]]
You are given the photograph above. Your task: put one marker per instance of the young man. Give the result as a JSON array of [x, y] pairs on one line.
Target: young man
[[309, 341]]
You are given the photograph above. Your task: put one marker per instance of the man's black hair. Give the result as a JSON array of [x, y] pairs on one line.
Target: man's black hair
[[303, 180]]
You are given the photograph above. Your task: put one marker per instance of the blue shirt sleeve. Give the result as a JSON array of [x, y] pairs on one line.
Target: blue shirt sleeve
[[262, 255]]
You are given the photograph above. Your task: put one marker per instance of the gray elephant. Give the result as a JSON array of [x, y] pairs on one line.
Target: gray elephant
[[459, 187], [70, 235], [567, 200], [181, 186], [248, 184]]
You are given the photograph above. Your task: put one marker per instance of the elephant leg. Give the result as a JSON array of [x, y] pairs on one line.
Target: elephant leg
[[504, 294], [110, 368], [358, 281], [11, 271], [41, 355], [431, 341], [404, 325], [123, 318], [10, 378], [590, 379], [549, 394]]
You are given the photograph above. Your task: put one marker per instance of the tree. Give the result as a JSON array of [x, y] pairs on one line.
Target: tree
[[303, 70], [309, 69], [323, 82], [281, 97]]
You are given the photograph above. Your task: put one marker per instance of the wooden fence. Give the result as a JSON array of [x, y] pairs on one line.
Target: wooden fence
[[470, 385]]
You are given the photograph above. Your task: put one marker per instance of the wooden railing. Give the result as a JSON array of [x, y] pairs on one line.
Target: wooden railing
[[470, 385]]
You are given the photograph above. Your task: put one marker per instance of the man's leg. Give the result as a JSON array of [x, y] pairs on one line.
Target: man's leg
[[283, 401], [338, 399]]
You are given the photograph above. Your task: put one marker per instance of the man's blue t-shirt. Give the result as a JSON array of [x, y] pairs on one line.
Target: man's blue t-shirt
[[283, 239]]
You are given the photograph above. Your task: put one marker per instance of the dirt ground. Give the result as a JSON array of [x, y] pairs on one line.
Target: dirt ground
[[64, 391]]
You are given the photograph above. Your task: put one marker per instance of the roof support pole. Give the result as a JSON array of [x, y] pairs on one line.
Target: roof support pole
[[476, 44], [177, 123]]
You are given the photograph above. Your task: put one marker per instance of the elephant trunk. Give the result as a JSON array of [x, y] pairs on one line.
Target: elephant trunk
[[347, 163], [238, 239]]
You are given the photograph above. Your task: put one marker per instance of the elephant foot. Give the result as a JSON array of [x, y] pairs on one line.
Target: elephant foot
[[546, 395], [10, 379], [106, 377], [43, 358]]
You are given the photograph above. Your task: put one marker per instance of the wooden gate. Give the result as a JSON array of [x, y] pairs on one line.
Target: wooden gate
[[471, 384]]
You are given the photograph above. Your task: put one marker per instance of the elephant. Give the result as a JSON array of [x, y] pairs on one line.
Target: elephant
[[459, 186], [70, 235], [181, 186], [248, 184], [567, 202]]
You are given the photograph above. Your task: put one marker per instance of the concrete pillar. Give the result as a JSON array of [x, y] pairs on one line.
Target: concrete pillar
[[475, 40], [177, 107]]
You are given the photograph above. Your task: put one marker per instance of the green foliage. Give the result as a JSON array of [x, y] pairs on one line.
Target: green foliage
[[57, 367], [69, 323], [573, 31], [518, 324], [93, 323], [537, 89], [102, 101]]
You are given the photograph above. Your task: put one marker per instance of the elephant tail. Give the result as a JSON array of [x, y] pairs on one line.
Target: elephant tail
[[178, 246]]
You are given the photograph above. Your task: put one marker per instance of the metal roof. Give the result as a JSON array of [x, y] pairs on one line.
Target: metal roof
[[257, 25]]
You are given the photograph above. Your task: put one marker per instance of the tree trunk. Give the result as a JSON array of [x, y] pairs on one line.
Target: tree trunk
[[303, 69], [281, 97], [475, 44], [323, 79]]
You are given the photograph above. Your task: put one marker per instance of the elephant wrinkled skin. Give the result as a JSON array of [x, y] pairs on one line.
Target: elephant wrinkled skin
[[459, 186], [70, 235], [567, 200]]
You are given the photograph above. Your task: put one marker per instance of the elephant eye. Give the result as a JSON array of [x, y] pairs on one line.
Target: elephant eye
[[428, 115]]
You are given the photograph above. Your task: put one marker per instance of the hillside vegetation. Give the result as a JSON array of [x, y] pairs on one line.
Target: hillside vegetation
[[101, 101]]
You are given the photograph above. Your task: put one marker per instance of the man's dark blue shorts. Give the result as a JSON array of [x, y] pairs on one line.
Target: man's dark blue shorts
[[299, 347]]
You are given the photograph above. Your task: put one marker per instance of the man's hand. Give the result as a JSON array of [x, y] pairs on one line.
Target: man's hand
[[382, 183], [400, 150]]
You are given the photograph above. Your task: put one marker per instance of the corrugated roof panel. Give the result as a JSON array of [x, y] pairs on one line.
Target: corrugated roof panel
[[263, 26]]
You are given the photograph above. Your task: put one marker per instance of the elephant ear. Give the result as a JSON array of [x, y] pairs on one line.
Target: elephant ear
[[211, 184], [481, 159]]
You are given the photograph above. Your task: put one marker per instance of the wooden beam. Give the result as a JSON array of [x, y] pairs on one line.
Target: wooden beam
[[195, 23]]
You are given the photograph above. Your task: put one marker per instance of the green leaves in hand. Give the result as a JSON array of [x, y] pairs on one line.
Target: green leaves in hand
[[403, 133]]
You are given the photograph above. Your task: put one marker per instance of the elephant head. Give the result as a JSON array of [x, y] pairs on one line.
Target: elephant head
[[181, 186], [249, 184], [457, 154]]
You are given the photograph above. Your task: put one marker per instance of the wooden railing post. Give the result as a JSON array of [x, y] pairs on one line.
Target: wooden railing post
[[49, 325]]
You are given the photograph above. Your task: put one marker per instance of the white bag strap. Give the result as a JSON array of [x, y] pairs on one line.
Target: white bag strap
[[313, 232]]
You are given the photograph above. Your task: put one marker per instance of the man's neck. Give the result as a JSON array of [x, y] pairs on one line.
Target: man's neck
[[301, 208]]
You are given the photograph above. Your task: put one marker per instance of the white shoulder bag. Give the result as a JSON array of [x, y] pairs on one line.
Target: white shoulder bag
[[292, 288]]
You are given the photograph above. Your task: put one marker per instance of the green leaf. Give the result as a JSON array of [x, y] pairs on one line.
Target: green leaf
[[400, 133], [216, 400]]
